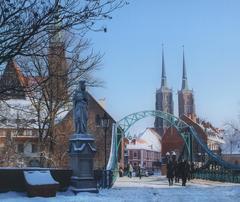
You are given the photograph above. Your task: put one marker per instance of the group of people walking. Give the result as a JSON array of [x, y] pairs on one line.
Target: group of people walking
[[176, 169], [130, 170], [180, 169]]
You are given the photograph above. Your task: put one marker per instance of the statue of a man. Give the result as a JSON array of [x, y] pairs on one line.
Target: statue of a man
[[80, 114]]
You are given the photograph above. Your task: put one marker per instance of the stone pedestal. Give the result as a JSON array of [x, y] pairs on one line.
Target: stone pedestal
[[82, 151]]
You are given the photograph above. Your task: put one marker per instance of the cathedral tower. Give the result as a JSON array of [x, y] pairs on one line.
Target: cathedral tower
[[57, 65], [186, 105], [164, 101]]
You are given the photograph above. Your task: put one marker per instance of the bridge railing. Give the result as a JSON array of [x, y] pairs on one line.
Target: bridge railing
[[214, 157], [218, 175], [124, 124]]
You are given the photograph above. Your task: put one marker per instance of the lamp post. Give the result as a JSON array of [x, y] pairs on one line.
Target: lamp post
[[105, 124]]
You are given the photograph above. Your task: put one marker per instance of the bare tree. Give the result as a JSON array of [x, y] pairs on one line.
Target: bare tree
[[31, 32], [23, 24], [231, 137], [52, 77]]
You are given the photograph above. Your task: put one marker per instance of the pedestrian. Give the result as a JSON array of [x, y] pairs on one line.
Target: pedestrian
[[130, 170], [192, 170], [176, 171], [170, 169], [175, 167], [120, 172], [139, 171], [184, 168]]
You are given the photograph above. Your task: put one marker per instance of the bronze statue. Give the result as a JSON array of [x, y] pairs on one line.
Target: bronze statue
[[80, 102]]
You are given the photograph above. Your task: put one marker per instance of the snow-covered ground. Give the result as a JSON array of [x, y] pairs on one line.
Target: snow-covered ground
[[145, 190]]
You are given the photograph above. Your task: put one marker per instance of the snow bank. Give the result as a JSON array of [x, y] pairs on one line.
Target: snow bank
[[39, 177]]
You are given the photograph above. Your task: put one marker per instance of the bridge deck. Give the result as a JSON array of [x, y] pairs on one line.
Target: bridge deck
[[155, 188]]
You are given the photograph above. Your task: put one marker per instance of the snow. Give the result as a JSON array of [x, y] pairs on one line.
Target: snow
[[24, 110], [39, 177], [148, 189], [148, 140], [152, 138]]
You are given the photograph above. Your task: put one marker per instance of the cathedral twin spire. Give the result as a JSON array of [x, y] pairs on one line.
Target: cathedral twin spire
[[164, 99], [184, 74]]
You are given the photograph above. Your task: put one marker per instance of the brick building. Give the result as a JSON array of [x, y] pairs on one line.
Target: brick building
[[22, 134], [65, 128], [172, 140], [145, 150], [19, 133]]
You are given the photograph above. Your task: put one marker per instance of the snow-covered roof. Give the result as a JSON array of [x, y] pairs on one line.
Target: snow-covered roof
[[148, 140], [21, 113], [140, 146]]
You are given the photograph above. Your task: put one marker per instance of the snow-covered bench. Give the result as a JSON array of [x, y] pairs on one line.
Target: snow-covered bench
[[40, 183]]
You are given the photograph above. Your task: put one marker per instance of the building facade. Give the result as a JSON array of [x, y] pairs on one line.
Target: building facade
[[65, 128], [145, 150], [24, 139], [164, 101], [172, 140]]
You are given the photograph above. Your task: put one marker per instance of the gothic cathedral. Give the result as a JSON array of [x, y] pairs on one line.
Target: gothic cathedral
[[164, 99]]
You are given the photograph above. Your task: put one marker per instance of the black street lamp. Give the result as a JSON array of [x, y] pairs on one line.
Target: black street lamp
[[105, 124]]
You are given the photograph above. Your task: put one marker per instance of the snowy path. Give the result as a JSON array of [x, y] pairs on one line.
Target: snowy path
[[144, 190]]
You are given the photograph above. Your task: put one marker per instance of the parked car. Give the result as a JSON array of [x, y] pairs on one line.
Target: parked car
[[150, 172], [144, 172]]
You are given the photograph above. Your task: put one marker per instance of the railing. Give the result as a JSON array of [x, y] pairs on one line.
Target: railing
[[228, 170], [221, 175], [214, 157]]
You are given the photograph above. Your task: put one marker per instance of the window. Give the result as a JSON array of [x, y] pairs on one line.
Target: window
[[14, 133], [34, 148], [20, 148], [98, 120], [134, 154], [28, 132], [3, 133]]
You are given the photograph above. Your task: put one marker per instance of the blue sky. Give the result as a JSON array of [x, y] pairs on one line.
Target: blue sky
[[131, 68]]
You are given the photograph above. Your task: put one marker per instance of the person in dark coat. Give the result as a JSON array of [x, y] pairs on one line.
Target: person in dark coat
[[184, 169], [175, 166], [120, 172], [176, 171], [192, 170], [139, 171], [170, 170]]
